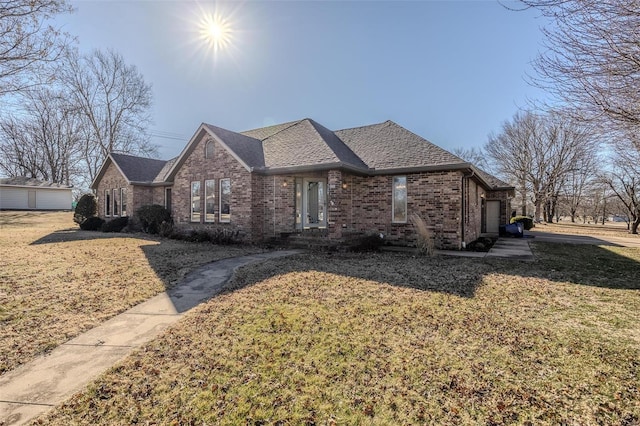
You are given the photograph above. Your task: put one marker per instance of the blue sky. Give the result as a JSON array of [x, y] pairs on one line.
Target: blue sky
[[450, 71]]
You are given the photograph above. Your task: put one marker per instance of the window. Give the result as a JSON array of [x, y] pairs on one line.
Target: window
[[399, 202], [195, 201], [225, 200], [209, 200], [167, 199], [107, 202], [115, 202], [208, 149], [123, 201]]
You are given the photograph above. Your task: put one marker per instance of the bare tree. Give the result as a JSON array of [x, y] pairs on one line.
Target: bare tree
[[27, 43], [42, 142], [113, 101], [474, 156], [624, 182], [536, 153], [592, 59], [578, 182]]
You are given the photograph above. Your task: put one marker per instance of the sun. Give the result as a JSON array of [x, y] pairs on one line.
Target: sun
[[215, 31]]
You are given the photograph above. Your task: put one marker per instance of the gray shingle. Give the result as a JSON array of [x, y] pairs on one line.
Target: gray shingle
[[306, 143], [390, 146], [138, 169], [247, 148]]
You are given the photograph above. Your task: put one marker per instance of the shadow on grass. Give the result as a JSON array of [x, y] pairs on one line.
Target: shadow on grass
[[445, 274], [605, 265]]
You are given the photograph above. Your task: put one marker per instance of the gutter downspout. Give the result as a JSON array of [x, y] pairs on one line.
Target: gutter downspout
[[463, 205]]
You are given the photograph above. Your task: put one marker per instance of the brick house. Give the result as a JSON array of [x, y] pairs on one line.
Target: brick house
[[299, 176]]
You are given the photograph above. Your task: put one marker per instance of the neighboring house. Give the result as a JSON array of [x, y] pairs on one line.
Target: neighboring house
[[22, 193], [300, 176]]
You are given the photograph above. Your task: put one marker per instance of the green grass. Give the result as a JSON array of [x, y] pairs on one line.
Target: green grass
[[392, 339]]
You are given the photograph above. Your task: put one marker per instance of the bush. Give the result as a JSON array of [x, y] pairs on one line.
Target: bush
[[426, 242], [115, 225], [92, 224], [87, 207], [152, 216], [525, 220], [365, 242]]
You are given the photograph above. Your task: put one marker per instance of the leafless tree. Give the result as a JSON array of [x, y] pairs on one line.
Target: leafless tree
[[113, 101], [536, 152], [474, 156], [592, 59], [27, 43], [624, 181], [42, 143]]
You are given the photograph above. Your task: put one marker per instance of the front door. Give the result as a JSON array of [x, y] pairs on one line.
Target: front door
[[493, 216], [314, 204]]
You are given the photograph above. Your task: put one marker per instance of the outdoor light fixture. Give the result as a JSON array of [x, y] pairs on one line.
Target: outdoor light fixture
[[344, 185]]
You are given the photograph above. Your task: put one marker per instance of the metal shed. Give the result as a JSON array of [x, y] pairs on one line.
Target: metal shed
[[22, 193]]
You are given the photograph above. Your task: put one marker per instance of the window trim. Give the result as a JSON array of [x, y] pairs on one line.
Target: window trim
[[393, 200], [224, 218], [123, 202], [206, 203], [115, 212], [195, 217], [107, 203]]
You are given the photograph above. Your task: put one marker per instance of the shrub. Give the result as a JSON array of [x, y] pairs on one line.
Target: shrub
[[525, 220], [115, 225], [87, 207], [152, 216], [426, 242], [365, 242], [92, 224], [225, 236]]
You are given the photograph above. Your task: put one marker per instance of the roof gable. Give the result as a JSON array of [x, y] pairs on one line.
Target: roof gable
[[138, 169], [247, 149], [306, 143]]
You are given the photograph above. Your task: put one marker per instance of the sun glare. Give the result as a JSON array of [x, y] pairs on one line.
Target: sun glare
[[215, 31]]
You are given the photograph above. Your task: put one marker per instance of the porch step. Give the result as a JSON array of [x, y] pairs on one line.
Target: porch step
[[311, 241]]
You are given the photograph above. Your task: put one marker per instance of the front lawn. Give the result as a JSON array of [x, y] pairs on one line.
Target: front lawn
[[57, 281], [393, 339]]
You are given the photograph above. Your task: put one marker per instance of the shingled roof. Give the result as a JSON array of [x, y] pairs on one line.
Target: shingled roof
[[306, 145], [138, 169], [387, 146], [32, 183]]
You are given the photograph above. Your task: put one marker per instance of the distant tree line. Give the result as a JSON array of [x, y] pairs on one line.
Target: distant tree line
[[579, 154], [64, 111]]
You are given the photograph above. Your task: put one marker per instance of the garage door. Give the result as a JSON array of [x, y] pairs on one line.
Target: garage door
[[493, 217]]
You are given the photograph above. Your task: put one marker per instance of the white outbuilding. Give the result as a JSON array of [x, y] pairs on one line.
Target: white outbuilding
[[22, 193]]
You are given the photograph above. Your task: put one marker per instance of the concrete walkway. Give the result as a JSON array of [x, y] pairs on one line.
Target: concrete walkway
[[505, 247], [45, 382]]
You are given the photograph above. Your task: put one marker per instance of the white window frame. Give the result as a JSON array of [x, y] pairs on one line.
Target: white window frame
[[195, 216], [209, 216], [116, 211], [123, 202], [224, 217], [395, 182], [107, 203]]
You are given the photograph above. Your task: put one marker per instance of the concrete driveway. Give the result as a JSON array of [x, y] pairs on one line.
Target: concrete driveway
[[600, 240]]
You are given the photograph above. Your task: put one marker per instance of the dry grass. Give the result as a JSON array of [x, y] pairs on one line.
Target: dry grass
[[392, 339], [609, 229], [57, 281]]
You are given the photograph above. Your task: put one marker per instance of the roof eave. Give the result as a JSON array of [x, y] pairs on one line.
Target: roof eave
[[312, 168], [6, 185]]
